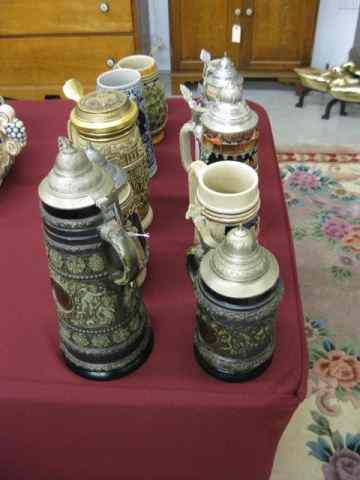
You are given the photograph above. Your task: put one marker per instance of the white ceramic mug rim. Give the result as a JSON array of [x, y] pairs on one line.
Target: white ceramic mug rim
[[118, 86], [147, 60], [231, 163]]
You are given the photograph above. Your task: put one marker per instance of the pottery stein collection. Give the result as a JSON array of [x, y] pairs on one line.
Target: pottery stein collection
[[129, 82], [108, 119], [238, 291], [13, 137], [154, 94], [94, 261], [94, 207]]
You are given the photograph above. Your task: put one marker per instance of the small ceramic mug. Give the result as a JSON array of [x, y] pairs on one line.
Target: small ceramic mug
[[129, 82], [221, 196], [154, 94]]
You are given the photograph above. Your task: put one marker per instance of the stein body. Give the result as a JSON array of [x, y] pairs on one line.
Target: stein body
[[154, 94], [238, 291], [104, 329]]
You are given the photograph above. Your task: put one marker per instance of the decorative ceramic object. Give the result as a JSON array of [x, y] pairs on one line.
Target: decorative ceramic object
[[13, 138], [129, 82], [93, 261], [221, 196], [238, 291], [108, 121], [154, 94], [226, 129]]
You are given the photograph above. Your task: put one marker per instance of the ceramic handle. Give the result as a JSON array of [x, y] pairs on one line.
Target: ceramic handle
[[114, 234], [194, 173], [186, 132]]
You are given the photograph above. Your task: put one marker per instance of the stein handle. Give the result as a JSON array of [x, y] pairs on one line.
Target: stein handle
[[115, 234], [194, 172], [187, 130]]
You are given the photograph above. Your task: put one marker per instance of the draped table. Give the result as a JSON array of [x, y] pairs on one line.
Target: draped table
[[167, 420]]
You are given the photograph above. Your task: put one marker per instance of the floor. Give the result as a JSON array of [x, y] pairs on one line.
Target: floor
[[301, 127]]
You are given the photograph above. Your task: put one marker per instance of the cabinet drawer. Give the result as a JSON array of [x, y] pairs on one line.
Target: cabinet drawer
[[38, 61], [22, 17]]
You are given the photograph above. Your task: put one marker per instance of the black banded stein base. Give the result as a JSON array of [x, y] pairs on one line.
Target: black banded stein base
[[237, 377], [114, 370]]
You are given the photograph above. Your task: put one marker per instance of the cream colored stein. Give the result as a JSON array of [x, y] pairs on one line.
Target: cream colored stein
[[221, 196]]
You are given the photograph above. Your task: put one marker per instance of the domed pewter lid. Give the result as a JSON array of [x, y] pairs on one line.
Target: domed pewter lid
[[239, 267], [74, 181], [230, 114], [222, 70]]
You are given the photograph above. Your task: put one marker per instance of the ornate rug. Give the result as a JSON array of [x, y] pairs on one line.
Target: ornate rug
[[322, 190]]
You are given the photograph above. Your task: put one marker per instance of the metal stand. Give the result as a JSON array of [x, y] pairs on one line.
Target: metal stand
[[330, 105], [300, 103]]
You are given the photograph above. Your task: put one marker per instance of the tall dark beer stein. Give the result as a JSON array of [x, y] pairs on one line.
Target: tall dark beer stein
[[95, 256]]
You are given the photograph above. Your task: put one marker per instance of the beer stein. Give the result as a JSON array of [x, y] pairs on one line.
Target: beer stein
[[13, 137], [225, 130], [154, 94], [238, 291], [217, 73], [108, 120], [129, 82], [104, 329], [221, 196]]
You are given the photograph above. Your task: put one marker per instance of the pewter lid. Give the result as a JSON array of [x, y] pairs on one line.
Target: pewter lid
[[239, 267], [100, 112], [230, 114], [218, 73], [74, 181]]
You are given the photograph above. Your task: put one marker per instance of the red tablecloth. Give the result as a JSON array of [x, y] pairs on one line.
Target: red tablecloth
[[168, 420]]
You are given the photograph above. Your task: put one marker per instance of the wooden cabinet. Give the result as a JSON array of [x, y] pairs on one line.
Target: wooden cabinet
[[277, 35], [42, 44]]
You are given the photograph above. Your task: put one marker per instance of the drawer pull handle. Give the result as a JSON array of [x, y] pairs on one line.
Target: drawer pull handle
[[237, 12], [110, 62], [249, 12], [104, 7]]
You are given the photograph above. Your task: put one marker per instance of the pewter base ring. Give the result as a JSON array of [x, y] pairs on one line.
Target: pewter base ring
[[230, 377]]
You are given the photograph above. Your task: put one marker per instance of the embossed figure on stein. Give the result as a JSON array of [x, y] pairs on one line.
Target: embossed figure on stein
[[238, 291], [104, 329]]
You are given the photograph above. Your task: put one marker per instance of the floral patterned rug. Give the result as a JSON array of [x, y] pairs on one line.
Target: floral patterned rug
[[322, 441]]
